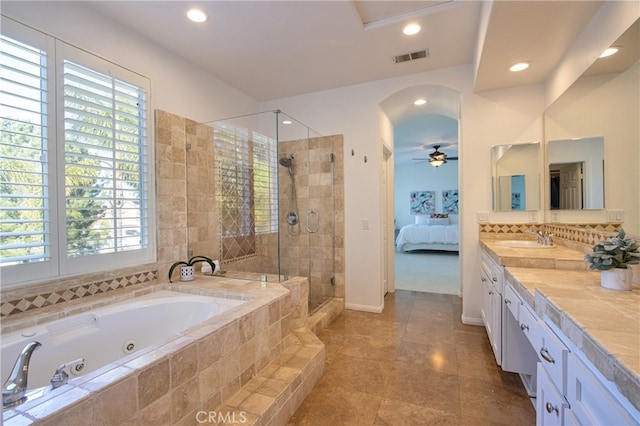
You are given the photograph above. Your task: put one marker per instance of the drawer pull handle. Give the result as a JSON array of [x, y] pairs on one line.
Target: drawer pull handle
[[495, 280], [483, 279], [524, 327], [551, 408], [490, 292], [507, 301], [544, 353]]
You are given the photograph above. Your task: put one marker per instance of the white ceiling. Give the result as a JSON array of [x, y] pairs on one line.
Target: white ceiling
[[277, 49]]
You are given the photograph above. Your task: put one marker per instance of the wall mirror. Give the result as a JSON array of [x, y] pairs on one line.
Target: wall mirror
[[599, 112], [515, 174], [576, 173]]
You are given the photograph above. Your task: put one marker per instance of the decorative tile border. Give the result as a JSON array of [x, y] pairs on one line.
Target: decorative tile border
[[64, 295], [508, 228], [581, 236], [584, 233]]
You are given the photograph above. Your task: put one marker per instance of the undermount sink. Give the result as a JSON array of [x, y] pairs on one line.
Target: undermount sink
[[522, 244]]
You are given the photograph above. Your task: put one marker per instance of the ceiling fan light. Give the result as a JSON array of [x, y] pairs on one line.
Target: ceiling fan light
[[437, 162]]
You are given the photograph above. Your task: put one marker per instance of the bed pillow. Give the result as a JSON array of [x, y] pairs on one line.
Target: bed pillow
[[438, 215], [438, 221], [421, 220]]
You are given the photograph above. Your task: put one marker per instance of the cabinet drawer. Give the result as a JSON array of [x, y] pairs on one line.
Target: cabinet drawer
[[497, 276], [494, 271], [550, 404], [553, 355], [512, 301], [529, 325], [590, 400]]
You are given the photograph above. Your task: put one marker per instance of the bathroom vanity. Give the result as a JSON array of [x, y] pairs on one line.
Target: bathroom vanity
[[574, 343]]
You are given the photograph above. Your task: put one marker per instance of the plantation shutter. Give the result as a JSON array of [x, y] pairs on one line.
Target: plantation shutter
[[105, 157], [265, 174], [25, 233]]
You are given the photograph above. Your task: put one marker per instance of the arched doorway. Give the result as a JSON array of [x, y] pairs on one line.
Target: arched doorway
[[419, 190]]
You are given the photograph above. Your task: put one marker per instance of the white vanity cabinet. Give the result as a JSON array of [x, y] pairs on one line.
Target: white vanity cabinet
[[552, 407], [518, 327], [491, 278], [571, 391], [592, 402]]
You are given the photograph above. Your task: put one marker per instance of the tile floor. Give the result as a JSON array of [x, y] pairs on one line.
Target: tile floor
[[414, 364]]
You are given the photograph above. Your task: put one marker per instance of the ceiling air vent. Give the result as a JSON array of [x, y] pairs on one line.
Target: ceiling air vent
[[411, 56]]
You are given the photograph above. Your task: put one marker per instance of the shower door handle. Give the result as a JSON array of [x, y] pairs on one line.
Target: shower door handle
[[317, 221]]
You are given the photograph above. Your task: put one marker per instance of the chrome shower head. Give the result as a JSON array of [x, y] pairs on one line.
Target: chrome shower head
[[288, 163], [285, 161]]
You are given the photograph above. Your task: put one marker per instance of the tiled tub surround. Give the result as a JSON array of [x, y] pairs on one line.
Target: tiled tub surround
[[249, 360]]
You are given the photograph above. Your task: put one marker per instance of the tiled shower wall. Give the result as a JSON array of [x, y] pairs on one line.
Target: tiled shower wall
[[306, 253], [313, 183]]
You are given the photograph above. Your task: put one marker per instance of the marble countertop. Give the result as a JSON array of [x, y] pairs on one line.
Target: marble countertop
[[556, 257], [603, 323]]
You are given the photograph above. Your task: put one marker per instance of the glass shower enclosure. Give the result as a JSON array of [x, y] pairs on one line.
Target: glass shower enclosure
[[261, 193]]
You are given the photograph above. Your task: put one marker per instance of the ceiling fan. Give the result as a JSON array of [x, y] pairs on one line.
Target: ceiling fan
[[437, 158]]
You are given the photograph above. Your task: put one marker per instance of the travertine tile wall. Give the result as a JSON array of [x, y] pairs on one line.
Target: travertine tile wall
[[171, 189], [202, 212], [312, 254]]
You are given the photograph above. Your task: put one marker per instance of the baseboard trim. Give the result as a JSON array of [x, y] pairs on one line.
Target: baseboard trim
[[471, 320], [365, 308]]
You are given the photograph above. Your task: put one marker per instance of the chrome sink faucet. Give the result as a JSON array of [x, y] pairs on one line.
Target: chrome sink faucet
[[544, 237], [15, 388]]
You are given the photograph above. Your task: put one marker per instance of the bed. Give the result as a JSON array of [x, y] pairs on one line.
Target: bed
[[430, 233]]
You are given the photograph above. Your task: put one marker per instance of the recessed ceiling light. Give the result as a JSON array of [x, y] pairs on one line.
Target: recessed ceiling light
[[520, 66], [420, 101], [411, 29], [286, 121], [196, 15], [608, 52]]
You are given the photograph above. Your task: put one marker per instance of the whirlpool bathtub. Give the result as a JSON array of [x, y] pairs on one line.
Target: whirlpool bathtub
[[90, 340]]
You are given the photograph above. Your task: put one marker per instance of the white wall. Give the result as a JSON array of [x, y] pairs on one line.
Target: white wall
[[498, 117], [421, 177], [176, 86]]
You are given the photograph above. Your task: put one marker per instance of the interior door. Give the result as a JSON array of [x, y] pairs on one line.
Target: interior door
[[570, 184]]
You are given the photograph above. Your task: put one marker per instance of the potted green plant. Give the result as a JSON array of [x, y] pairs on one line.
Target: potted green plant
[[187, 268], [612, 257]]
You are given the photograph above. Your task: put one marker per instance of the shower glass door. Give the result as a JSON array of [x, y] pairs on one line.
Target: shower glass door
[[260, 199], [307, 206]]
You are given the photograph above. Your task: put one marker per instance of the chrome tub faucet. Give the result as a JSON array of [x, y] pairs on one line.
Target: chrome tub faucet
[[15, 388]]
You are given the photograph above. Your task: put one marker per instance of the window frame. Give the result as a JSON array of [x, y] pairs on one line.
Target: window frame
[[59, 264]]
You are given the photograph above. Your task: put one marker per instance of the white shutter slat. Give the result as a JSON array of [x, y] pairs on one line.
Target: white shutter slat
[[24, 213], [104, 132]]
